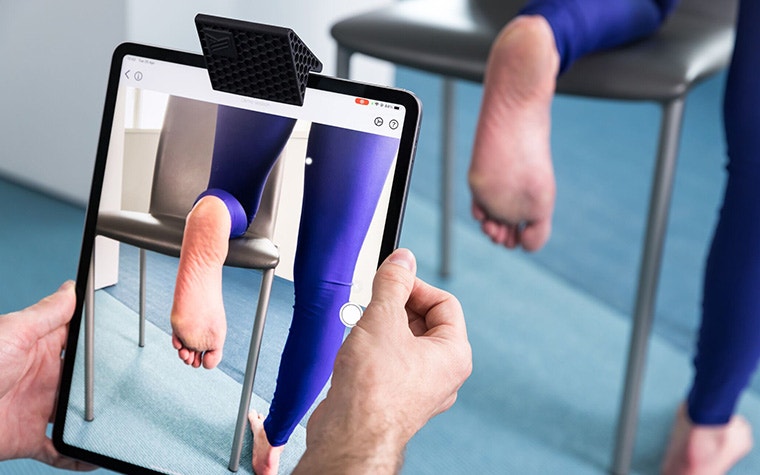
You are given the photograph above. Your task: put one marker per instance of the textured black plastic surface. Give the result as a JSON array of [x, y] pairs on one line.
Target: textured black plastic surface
[[255, 60]]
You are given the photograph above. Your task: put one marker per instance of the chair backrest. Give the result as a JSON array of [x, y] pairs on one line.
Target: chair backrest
[[183, 164]]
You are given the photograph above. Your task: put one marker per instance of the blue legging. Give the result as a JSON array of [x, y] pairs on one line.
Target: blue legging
[[584, 26], [729, 339], [342, 183]]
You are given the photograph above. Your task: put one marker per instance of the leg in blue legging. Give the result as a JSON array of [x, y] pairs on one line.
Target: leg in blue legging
[[586, 26], [729, 338], [511, 175], [246, 145], [728, 348], [342, 186], [343, 181]]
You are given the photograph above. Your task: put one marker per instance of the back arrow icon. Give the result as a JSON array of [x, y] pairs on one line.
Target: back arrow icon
[[127, 73]]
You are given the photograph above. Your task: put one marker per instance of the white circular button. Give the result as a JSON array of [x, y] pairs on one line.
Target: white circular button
[[350, 313]]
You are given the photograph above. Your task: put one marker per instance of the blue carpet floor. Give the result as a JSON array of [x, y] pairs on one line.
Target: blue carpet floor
[[153, 410], [549, 330], [240, 291]]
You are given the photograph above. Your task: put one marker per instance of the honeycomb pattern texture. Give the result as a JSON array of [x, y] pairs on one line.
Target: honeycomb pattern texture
[[255, 60]]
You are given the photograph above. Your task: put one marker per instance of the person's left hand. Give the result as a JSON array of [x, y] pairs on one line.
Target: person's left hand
[[31, 342]]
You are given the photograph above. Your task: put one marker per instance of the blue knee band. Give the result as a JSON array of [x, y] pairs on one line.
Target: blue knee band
[[237, 213]]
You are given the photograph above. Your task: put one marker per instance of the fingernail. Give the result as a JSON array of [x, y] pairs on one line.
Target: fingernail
[[66, 286], [404, 258]]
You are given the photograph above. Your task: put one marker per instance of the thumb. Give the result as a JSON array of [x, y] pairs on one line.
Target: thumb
[[394, 281], [49, 314]]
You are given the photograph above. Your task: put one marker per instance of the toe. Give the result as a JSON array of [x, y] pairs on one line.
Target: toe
[[535, 235], [185, 355], [175, 342], [477, 212], [212, 358]]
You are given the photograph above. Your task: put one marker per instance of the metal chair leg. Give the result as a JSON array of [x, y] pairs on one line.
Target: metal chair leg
[[447, 177], [657, 221], [141, 340], [250, 369], [89, 342], [343, 66]]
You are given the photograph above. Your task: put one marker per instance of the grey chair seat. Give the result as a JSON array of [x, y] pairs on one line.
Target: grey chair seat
[[164, 235], [453, 39]]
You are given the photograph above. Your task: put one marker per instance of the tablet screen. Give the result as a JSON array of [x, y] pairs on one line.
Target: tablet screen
[[311, 200]]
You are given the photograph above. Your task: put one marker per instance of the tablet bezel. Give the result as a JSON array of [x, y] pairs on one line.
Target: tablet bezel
[[390, 239]]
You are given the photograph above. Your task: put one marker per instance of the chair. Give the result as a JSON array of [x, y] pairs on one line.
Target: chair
[[181, 173], [453, 38]]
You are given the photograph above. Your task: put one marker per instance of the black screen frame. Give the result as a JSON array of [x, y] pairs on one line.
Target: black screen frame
[[390, 239]]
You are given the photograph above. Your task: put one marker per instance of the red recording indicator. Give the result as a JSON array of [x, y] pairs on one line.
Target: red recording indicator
[[361, 102]]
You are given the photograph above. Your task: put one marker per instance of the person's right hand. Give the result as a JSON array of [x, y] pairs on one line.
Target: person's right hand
[[400, 366]]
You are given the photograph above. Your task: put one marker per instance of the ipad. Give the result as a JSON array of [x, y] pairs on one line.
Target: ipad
[[313, 199]]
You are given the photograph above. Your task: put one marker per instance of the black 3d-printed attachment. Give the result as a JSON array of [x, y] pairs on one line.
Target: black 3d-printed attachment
[[255, 60]]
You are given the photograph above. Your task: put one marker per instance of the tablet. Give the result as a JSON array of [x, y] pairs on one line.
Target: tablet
[[313, 197]]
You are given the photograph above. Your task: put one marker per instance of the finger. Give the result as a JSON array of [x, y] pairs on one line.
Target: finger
[[50, 456], [446, 331], [394, 280], [66, 463], [50, 313], [392, 285], [440, 309]]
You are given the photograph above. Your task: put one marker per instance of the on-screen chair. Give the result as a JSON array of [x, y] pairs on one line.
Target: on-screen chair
[[453, 37], [181, 173]]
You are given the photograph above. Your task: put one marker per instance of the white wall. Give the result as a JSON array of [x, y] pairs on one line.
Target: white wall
[[55, 58], [170, 23]]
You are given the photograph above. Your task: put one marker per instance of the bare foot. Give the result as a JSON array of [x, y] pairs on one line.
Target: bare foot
[[266, 459], [198, 321], [706, 450], [511, 174]]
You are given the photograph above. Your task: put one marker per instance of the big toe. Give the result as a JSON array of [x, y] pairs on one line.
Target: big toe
[[212, 358], [535, 235]]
